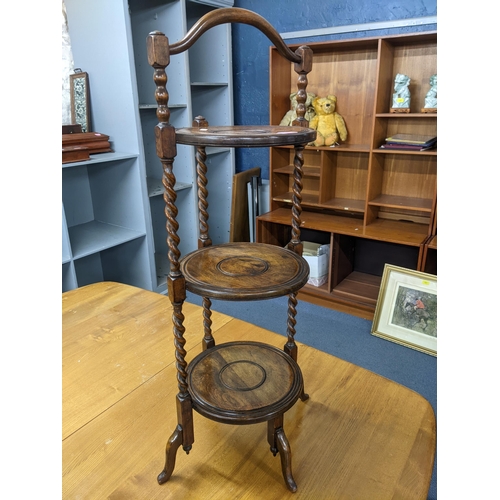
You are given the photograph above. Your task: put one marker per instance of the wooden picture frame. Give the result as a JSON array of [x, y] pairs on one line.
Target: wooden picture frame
[[80, 102], [406, 310]]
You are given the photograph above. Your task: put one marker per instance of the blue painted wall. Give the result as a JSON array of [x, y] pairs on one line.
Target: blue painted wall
[[251, 48]]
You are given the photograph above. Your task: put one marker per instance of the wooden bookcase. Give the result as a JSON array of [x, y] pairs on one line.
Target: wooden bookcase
[[373, 206]]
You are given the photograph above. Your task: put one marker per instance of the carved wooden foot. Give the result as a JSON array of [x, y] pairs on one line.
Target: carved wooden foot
[[171, 450], [279, 443], [286, 459]]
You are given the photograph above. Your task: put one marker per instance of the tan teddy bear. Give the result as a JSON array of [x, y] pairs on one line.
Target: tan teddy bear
[[329, 125], [291, 115]]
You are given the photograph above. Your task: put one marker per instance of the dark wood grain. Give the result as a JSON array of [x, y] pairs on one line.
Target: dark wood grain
[[238, 382], [234, 15], [244, 136], [243, 382], [244, 271]]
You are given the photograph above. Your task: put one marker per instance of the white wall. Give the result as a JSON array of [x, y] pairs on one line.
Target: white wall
[[67, 68]]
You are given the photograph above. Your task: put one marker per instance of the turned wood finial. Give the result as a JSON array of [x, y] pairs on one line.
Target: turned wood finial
[[159, 58], [302, 68], [200, 122], [158, 49]]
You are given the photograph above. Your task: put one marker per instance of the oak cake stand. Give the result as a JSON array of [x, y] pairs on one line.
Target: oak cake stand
[[239, 382]]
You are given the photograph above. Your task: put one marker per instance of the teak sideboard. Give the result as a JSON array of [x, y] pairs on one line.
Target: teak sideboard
[[373, 206]]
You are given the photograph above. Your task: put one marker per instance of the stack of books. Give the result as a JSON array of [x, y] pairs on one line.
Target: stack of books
[[410, 142]]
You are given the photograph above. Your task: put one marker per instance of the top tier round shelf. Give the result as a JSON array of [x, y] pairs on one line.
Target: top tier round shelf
[[245, 136]]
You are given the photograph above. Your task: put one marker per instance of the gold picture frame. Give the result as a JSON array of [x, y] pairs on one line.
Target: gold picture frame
[[80, 99], [406, 310]]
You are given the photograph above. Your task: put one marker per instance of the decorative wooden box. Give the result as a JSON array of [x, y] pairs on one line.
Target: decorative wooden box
[[75, 153], [94, 141]]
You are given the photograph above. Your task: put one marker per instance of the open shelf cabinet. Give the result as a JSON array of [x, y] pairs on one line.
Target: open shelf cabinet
[[105, 218], [373, 206], [200, 83], [115, 200]]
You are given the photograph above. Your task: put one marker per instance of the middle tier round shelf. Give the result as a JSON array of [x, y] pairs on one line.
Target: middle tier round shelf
[[245, 136], [244, 271]]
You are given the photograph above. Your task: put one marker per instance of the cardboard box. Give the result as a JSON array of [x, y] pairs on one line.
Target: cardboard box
[[317, 256]]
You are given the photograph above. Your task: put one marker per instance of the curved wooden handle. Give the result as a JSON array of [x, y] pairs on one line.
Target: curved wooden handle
[[233, 15]]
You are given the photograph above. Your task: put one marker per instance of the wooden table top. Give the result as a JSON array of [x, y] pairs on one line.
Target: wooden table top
[[359, 436]]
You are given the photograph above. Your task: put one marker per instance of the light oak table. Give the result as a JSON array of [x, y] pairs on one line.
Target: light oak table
[[359, 435]]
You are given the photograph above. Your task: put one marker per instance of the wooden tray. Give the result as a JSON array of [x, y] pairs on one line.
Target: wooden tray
[[75, 153], [94, 141]]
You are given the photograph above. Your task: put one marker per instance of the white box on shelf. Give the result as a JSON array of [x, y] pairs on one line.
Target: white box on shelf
[[317, 256]]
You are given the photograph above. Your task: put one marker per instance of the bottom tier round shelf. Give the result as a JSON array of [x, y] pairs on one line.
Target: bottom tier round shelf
[[244, 271], [243, 382]]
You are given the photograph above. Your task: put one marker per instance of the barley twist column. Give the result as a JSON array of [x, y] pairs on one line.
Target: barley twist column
[[159, 59]]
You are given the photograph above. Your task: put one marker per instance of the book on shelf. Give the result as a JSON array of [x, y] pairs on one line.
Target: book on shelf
[[412, 139], [406, 147]]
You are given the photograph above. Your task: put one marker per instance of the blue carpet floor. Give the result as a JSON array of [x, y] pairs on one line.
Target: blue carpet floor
[[344, 336]]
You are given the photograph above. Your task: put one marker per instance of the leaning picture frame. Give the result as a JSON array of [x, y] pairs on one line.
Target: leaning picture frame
[[80, 99], [406, 310]]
